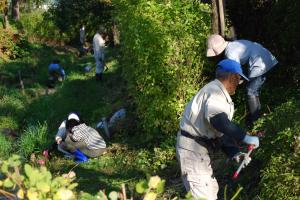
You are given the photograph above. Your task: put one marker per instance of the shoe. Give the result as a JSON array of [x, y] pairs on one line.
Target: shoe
[[254, 109], [80, 157], [98, 77]]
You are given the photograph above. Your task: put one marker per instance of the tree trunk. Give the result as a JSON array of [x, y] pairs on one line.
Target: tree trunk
[[222, 18], [5, 18], [116, 35], [214, 17], [16, 9]]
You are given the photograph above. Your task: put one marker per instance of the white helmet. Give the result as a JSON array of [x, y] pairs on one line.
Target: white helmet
[[215, 45]]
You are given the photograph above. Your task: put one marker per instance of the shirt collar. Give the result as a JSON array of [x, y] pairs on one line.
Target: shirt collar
[[225, 92]]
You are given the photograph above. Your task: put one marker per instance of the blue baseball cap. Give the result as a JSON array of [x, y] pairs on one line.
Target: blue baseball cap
[[228, 65]]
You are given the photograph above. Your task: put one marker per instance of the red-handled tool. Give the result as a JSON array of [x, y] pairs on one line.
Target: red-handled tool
[[236, 173]]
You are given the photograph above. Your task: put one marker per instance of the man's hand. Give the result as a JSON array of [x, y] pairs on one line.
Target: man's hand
[[251, 140], [58, 140], [242, 156]]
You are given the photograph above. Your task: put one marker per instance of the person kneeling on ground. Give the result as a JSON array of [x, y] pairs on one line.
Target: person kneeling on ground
[[56, 72], [73, 134]]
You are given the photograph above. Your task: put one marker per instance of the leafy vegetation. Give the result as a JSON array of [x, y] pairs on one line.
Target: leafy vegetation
[[280, 153], [33, 139], [159, 66], [162, 60], [38, 26], [24, 181], [70, 15]]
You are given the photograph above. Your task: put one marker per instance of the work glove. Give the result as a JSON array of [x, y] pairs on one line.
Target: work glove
[[58, 140], [251, 140], [240, 156]]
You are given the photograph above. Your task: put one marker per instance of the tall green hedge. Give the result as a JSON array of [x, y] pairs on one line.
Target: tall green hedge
[[162, 47]]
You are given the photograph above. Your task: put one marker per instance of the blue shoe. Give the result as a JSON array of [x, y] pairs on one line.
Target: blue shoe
[[80, 157]]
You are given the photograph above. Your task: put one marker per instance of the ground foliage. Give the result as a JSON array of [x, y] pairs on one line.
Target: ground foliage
[[162, 60]]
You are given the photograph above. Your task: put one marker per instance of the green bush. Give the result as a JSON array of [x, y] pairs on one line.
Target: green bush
[[162, 46], [280, 153], [7, 43], [34, 139], [6, 146], [38, 25], [70, 15]]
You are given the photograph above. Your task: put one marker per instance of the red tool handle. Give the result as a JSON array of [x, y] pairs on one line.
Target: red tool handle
[[236, 173]]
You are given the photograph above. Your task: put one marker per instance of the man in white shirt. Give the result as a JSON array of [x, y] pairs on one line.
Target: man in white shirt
[[258, 59], [207, 117], [98, 46]]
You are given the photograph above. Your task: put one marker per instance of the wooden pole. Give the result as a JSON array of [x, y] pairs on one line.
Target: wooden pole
[[222, 18], [214, 17], [21, 81], [124, 192]]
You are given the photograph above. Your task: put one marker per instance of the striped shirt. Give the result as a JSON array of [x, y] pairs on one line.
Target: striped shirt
[[89, 135]]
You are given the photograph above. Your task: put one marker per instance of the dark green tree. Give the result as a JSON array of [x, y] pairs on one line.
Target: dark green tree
[[70, 15]]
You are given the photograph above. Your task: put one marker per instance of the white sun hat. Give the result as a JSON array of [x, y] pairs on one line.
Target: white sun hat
[[215, 45], [73, 116]]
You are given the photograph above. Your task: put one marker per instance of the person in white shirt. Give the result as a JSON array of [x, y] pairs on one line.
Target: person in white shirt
[[98, 46], [205, 121], [259, 61]]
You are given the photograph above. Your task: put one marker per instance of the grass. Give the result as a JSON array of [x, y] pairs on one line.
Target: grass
[[6, 146], [35, 115], [33, 139]]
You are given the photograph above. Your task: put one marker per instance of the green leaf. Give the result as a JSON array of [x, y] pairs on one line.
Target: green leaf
[[141, 187], [8, 183], [4, 168], [150, 196], [154, 181], [161, 187], [44, 187], [113, 195], [28, 170]]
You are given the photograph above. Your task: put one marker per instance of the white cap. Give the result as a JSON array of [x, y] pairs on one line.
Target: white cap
[[73, 116], [215, 45]]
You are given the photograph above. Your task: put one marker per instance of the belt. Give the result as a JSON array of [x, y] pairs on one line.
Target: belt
[[206, 142]]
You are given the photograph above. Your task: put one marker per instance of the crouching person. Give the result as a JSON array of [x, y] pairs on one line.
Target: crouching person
[[73, 134], [56, 72], [208, 117]]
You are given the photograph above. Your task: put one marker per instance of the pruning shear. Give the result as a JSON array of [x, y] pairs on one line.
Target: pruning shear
[[243, 164]]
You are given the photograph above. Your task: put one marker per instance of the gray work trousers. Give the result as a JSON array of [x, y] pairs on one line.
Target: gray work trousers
[[197, 173]]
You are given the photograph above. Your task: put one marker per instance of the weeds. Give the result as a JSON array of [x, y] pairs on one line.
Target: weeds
[[6, 146], [34, 139]]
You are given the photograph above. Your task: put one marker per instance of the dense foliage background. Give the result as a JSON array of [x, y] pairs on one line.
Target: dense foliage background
[[162, 46], [159, 65]]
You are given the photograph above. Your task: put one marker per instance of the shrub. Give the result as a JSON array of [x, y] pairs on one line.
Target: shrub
[[6, 43], [161, 46], [38, 25], [280, 153], [34, 139]]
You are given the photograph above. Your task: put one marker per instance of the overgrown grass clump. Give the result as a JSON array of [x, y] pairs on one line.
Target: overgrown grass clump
[[33, 139], [6, 146]]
